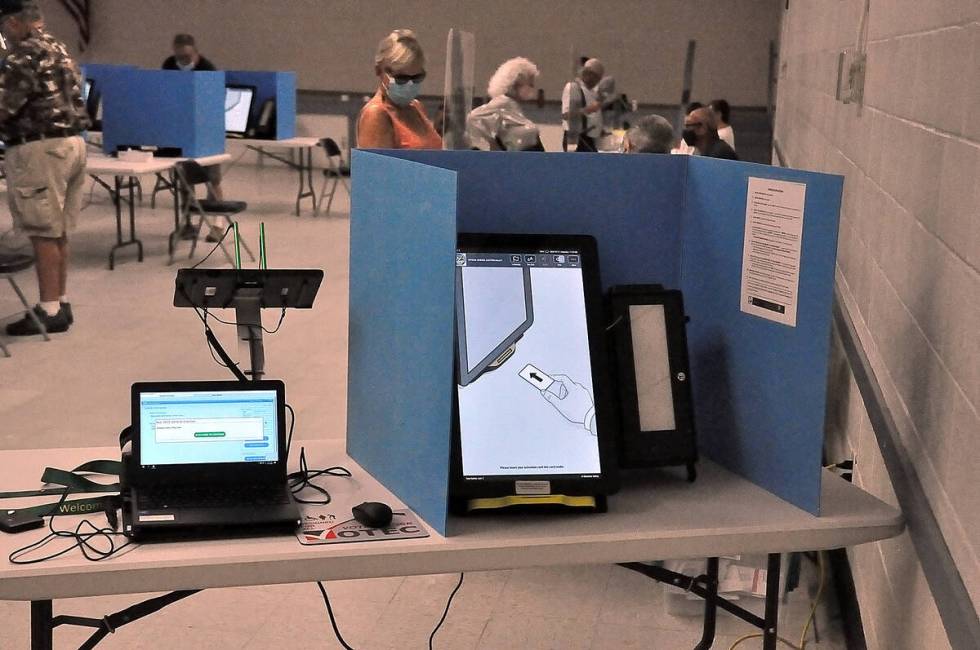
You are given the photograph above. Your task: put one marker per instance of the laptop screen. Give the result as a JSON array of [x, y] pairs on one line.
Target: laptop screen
[[208, 426], [238, 108], [525, 388]]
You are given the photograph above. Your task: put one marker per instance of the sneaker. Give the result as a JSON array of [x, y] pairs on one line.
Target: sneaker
[[27, 327], [66, 307], [189, 231]]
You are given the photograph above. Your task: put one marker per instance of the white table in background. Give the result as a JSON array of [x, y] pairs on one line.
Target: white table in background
[[304, 146], [656, 516], [101, 165]]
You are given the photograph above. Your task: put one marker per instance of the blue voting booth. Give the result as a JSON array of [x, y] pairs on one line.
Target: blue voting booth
[[164, 108], [759, 385], [277, 86]]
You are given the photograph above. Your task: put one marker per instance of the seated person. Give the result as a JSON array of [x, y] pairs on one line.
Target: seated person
[[186, 57], [500, 124], [723, 113], [700, 133], [651, 134], [394, 118]]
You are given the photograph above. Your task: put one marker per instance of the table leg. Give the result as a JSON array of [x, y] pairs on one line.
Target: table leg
[[710, 605], [175, 235], [769, 632], [42, 637], [120, 243], [309, 176], [132, 218], [305, 170]]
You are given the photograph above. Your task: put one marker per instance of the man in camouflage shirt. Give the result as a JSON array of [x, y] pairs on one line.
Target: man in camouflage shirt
[[41, 118]]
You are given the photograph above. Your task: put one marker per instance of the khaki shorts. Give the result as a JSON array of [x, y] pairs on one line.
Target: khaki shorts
[[45, 182]]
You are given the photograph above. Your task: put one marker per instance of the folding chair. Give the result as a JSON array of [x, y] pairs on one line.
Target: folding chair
[[333, 174], [190, 174], [11, 263]]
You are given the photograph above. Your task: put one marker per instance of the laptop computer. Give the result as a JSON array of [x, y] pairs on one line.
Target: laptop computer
[[208, 460]]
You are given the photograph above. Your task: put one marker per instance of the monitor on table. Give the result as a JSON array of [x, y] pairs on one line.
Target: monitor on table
[[238, 108], [532, 402]]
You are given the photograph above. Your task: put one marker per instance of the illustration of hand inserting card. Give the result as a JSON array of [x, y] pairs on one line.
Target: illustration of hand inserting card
[[571, 399]]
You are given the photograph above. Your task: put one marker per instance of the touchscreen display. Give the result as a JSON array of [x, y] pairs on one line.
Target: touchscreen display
[[238, 106], [526, 400]]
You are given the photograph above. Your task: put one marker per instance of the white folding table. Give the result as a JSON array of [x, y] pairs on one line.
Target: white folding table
[[101, 164], [304, 146], [657, 515]]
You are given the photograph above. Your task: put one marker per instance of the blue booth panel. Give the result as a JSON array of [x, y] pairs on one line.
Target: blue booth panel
[[676, 220], [164, 108], [759, 385], [401, 329], [277, 86]]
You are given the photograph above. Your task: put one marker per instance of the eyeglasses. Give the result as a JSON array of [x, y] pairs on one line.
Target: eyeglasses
[[694, 125], [401, 79]]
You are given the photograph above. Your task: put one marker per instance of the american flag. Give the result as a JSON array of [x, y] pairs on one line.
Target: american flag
[[79, 10]]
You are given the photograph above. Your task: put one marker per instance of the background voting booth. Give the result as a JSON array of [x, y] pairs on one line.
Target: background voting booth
[[185, 112], [727, 234], [166, 109], [276, 87]]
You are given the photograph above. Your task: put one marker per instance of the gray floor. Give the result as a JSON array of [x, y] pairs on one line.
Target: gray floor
[[73, 391]]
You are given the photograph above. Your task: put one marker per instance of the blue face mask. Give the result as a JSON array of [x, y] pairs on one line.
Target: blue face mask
[[403, 94]]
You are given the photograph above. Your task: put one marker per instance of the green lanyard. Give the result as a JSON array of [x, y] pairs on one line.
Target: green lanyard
[[72, 483]]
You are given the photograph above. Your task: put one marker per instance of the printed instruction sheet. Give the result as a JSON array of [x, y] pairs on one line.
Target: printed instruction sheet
[[771, 252]]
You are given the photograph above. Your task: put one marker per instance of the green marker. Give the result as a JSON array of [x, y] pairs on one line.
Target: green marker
[[238, 247], [263, 256]]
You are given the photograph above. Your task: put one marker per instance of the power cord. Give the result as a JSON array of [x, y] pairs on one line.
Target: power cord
[[435, 630], [302, 479], [445, 612], [282, 316], [333, 621], [809, 619], [216, 246], [82, 536]]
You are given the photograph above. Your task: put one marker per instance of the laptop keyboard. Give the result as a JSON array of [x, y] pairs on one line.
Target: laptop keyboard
[[213, 496]]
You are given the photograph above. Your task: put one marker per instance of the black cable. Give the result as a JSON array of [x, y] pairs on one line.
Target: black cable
[[445, 613], [82, 541], [214, 345], [282, 316], [333, 621], [292, 423], [216, 246], [303, 479]]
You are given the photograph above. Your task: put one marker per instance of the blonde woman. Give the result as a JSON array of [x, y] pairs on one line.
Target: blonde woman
[[500, 124], [394, 118]]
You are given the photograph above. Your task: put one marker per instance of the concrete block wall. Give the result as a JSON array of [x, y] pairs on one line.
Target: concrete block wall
[[908, 266]]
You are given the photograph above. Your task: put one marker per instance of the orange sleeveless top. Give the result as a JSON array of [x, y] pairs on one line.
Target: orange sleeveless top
[[405, 136]]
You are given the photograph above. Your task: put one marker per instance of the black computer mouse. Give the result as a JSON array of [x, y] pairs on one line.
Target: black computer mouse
[[372, 514]]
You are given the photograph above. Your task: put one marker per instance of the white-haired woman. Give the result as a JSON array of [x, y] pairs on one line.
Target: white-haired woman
[[500, 124], [394, 118]]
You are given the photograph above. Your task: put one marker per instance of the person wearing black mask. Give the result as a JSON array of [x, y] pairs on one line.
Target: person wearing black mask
[[700, 132]]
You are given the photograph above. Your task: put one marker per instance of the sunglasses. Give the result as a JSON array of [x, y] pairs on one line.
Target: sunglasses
[[401, 79], [693, 125]]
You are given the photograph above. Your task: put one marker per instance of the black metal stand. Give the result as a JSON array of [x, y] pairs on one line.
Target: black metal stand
[[43, 622], [706, 586], [304, 168], [115, 191], [248, 316], [42, 626]]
